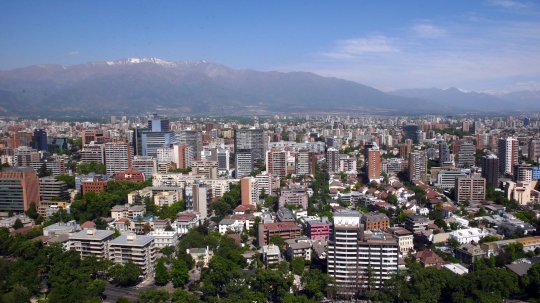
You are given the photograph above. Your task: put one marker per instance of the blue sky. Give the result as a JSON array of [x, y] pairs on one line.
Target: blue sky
[[491, 45]]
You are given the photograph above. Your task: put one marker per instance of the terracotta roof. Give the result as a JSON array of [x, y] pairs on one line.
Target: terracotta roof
[[88, 224]]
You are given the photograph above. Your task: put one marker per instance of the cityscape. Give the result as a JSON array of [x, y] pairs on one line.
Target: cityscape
[[269, 152]]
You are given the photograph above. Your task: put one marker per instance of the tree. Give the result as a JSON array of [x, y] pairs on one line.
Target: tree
[[18, 224], [122, 300], [20, 294], [127, 274], [298, 265], [168, 251], [182, 296], [179, 273], [31, 211], [161, 276], [153, 296], [69, 180], [278, 241]]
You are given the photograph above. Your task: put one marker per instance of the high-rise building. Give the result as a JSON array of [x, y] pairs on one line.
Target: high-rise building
[[117, 157], [183, 155], [534, 149], [523, 173], [136, 140], [252, 139], [508, 155], [25, 155], [409, 132], [39, 140], [158, 123], [352, 253], [197, 199], [405, 150], [418, 166], [93, 152], [89, 135], [490, 169], [145, 164], [276, 162], [373, 163], [151, 141], [192, 138], [19, 186], [332, 160], [222, 157], [50, 187], [444, 152], [305, 162], [243, 162], [466, 154], [470, 189], [250, 191]]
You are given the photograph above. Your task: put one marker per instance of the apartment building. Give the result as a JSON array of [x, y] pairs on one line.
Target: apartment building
[[286, 230], [294, 196], [470, 189], [91, 242], [140, 250]]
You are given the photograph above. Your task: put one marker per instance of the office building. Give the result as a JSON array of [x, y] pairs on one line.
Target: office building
[[117, 157], [96, 135], [136, 140], [466, 154], [146, 165], [93, 152], [151, 141], [409, 132], [276, 162], [373, 163], [39, 140], [193, 138], [508, 155], [250, 191], [158, 123], [91, 242], [243, 163], [418, 166], [25, 155], [444, 153], [222, 157], [251, 139], [50, 188], [332, 160], [490, 169], [19, 186], [470, 189], [351, 251], [140, 250]]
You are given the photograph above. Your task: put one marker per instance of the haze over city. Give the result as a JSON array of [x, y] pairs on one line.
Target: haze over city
[[491, 45]]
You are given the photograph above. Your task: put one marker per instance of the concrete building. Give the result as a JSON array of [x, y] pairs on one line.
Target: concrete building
[[117, 157], [351, 252], [332, 160], [140, 250], [93, 152], [267, 182], [276, 162], [286, 230], [446, 179], [91, 242], [466, 154], [305, 162], [465, 236], [444, 153], [192, 138], [19, 186], [164, 238], [373, 163], [243, 162], [145, 164], [490, 169], [49, 188], [418, 166], [294, 196], [92, 135], [375, 221], [414, 223], [205, 167], [405, 239], [151, 141], [251, 139], [250, 191], [183, 155], [185, 221], [508, 155], [298, 249], [318, 229], [470, 189], [534, 149], [197, 199], [523, 173]]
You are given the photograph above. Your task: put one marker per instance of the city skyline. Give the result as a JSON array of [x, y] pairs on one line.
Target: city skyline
[[480, 46]]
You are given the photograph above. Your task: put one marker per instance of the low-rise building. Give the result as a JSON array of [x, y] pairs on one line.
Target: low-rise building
[[185, 221], [235, 226], [318, 229], [464, 236], [467, 253], [405, 239], [375, 221], [295, 249], [164, 238], [416, 223], [286, 230], [271, 254], [201, 256], [61, 228], [285, 215], [296, 196]]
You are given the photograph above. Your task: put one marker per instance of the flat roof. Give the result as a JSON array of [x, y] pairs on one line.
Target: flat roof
[[97, 234], [138, 241]]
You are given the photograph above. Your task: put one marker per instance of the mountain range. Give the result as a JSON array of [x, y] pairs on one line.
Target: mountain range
[[139, 85]]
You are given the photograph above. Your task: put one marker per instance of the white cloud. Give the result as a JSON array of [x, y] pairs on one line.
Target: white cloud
[[350, 48], [429, 31], [529, 85], [73, 53], [506, 3]]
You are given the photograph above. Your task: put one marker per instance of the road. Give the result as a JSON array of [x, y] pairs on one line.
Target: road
[[112, 293]]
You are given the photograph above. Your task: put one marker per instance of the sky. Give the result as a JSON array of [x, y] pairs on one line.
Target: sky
[[484, 45]]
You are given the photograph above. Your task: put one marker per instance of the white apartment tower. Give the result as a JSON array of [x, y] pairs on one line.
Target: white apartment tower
[[508, 155]]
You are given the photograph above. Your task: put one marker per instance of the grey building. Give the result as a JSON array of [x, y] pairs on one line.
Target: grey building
[[192, 138], [490, 169]]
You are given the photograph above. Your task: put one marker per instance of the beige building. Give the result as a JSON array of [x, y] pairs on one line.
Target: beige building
[[91, 242], [140, 250], [470, 189]]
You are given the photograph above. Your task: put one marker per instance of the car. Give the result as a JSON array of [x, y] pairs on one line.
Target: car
[[136, 287]]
